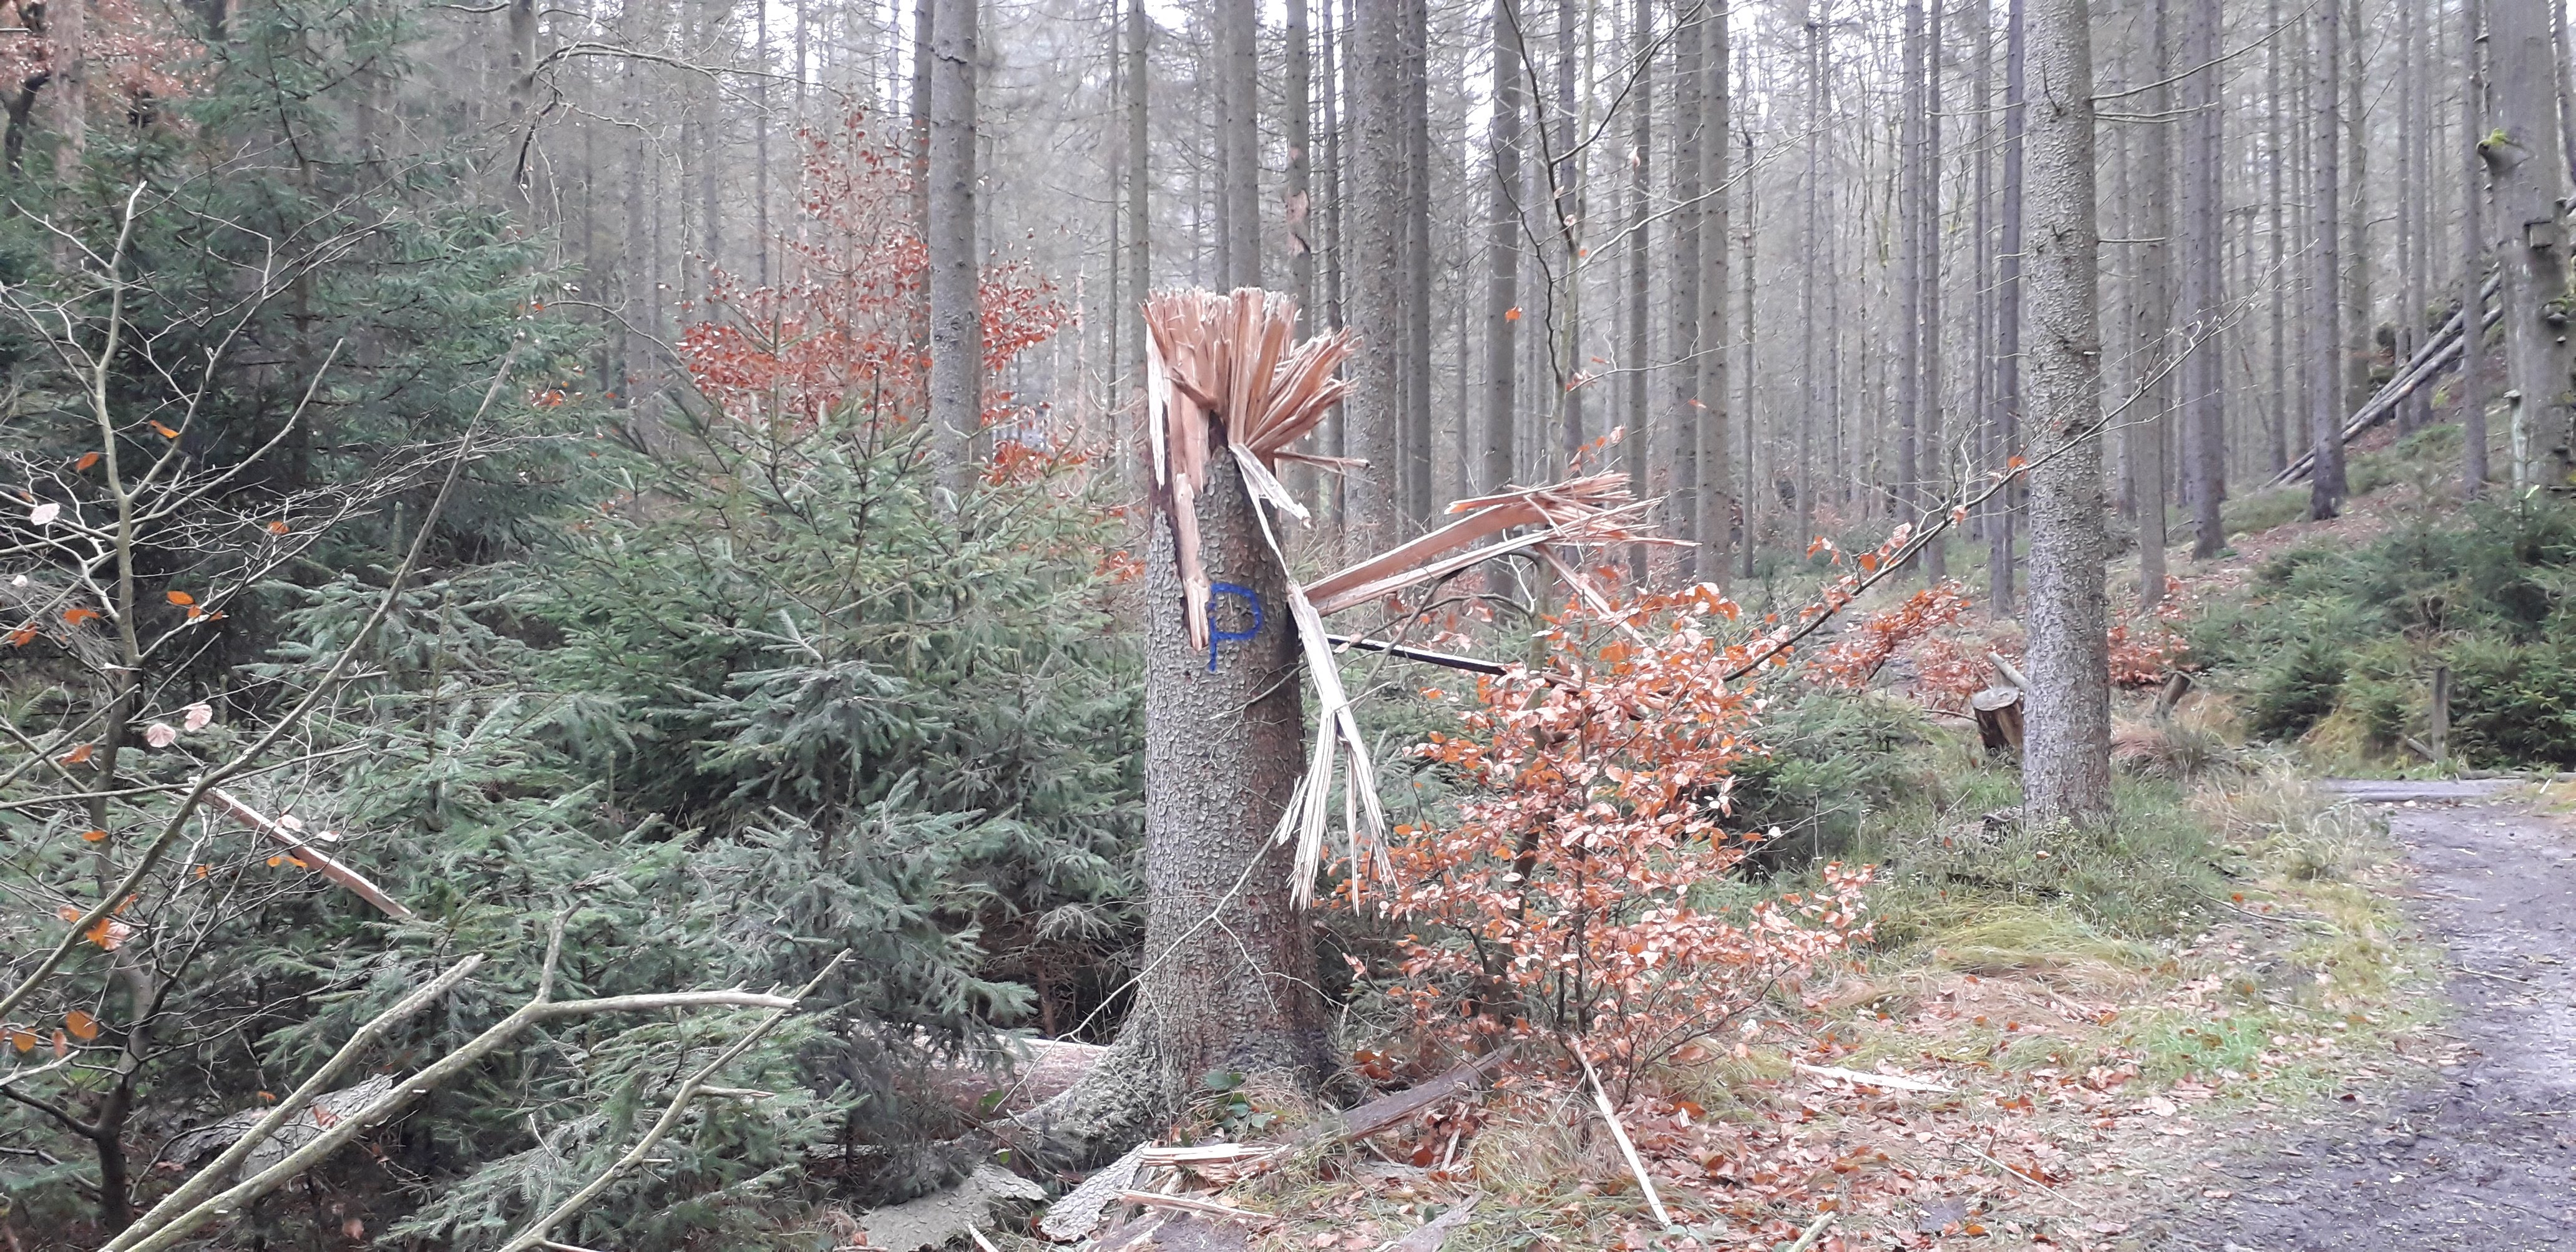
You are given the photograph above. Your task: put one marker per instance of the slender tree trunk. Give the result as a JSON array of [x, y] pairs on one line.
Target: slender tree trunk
[[1416, 264], [2204, 271], [1909, 264], [1641, 210], [2522, 156], [2008, 295], [1812, 243], [1716, 446], [67, 23], [1931, 462], [2066, 758], [2361, 343], [1503, 249], [1239, 91], [1139, 258], [1755, 488], [1301, 184], [2325, 398], [1378, 229], [1690, 165], [2143, 437], [760, 239], [2474, 251], [2276, 157], [1336, 185], [956, 312]]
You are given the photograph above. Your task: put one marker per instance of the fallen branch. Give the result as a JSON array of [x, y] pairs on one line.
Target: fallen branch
[[149, 1235], [1807, 1238], [1619, 1133], [2024, 1177]]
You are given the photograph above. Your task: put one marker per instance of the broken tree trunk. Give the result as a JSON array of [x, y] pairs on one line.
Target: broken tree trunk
[[1998, 711]]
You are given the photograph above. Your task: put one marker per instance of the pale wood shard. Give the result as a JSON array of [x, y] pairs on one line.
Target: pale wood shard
[[304, 851], [1890, 1082], [1619, 1135]]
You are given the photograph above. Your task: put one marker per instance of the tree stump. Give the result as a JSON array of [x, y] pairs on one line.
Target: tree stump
[[1998, 711]]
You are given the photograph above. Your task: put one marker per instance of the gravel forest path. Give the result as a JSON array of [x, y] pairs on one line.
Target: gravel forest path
[[2482, 1154]]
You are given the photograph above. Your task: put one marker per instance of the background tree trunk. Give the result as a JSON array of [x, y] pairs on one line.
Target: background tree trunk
[[1633, 453], [2325, 395], [1716, 462], [2473, 251], [2203, 280], [1930, 462], [2523, 157], [2144, 432], [956, 313], [1378, 242], [2066, 761], [2008, 271], [1690, 165], [1239, 76], [1503, 249]]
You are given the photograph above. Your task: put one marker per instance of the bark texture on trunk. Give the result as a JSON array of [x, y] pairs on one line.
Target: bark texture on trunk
[[1634, 451], [2203, 296], [956, 314], [2152, 314], [1716, 462], [2473, 254], [2325, 389], [2523, 158], [2008, 294], [1689, 166], [2066, 760], [1503, 250], [1240, 97], [1378, 242], [1229, 982]]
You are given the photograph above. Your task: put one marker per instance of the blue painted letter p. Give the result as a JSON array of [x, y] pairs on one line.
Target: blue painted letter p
[[1215, 636]]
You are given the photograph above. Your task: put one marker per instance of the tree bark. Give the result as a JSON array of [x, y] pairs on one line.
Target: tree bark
[[2152, 320], [1239, 92], [2359, 331], [1379, 241], [1503, 248], [2473, 252], [2066, 763], [1690, 165], [956, 313], [1716, 460], [2325, 395], [1301, 183], [2008, 296], [1909, 263], [2276, 158], [1229, 980], [1641, 186], [2522, 156], [2203, 286], [1930, 463], [1415, 105]]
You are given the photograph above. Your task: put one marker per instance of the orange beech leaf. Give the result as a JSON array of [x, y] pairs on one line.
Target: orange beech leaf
[[180, 598], [80, 755], [23, 1040], [93, 836], [22, 636], [62, 1045], [79, 613], [86, 460], [277, 528], [164, 431], [83, 1026]]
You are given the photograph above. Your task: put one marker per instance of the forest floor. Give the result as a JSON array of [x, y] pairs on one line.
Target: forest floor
[[2479, 1151]]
